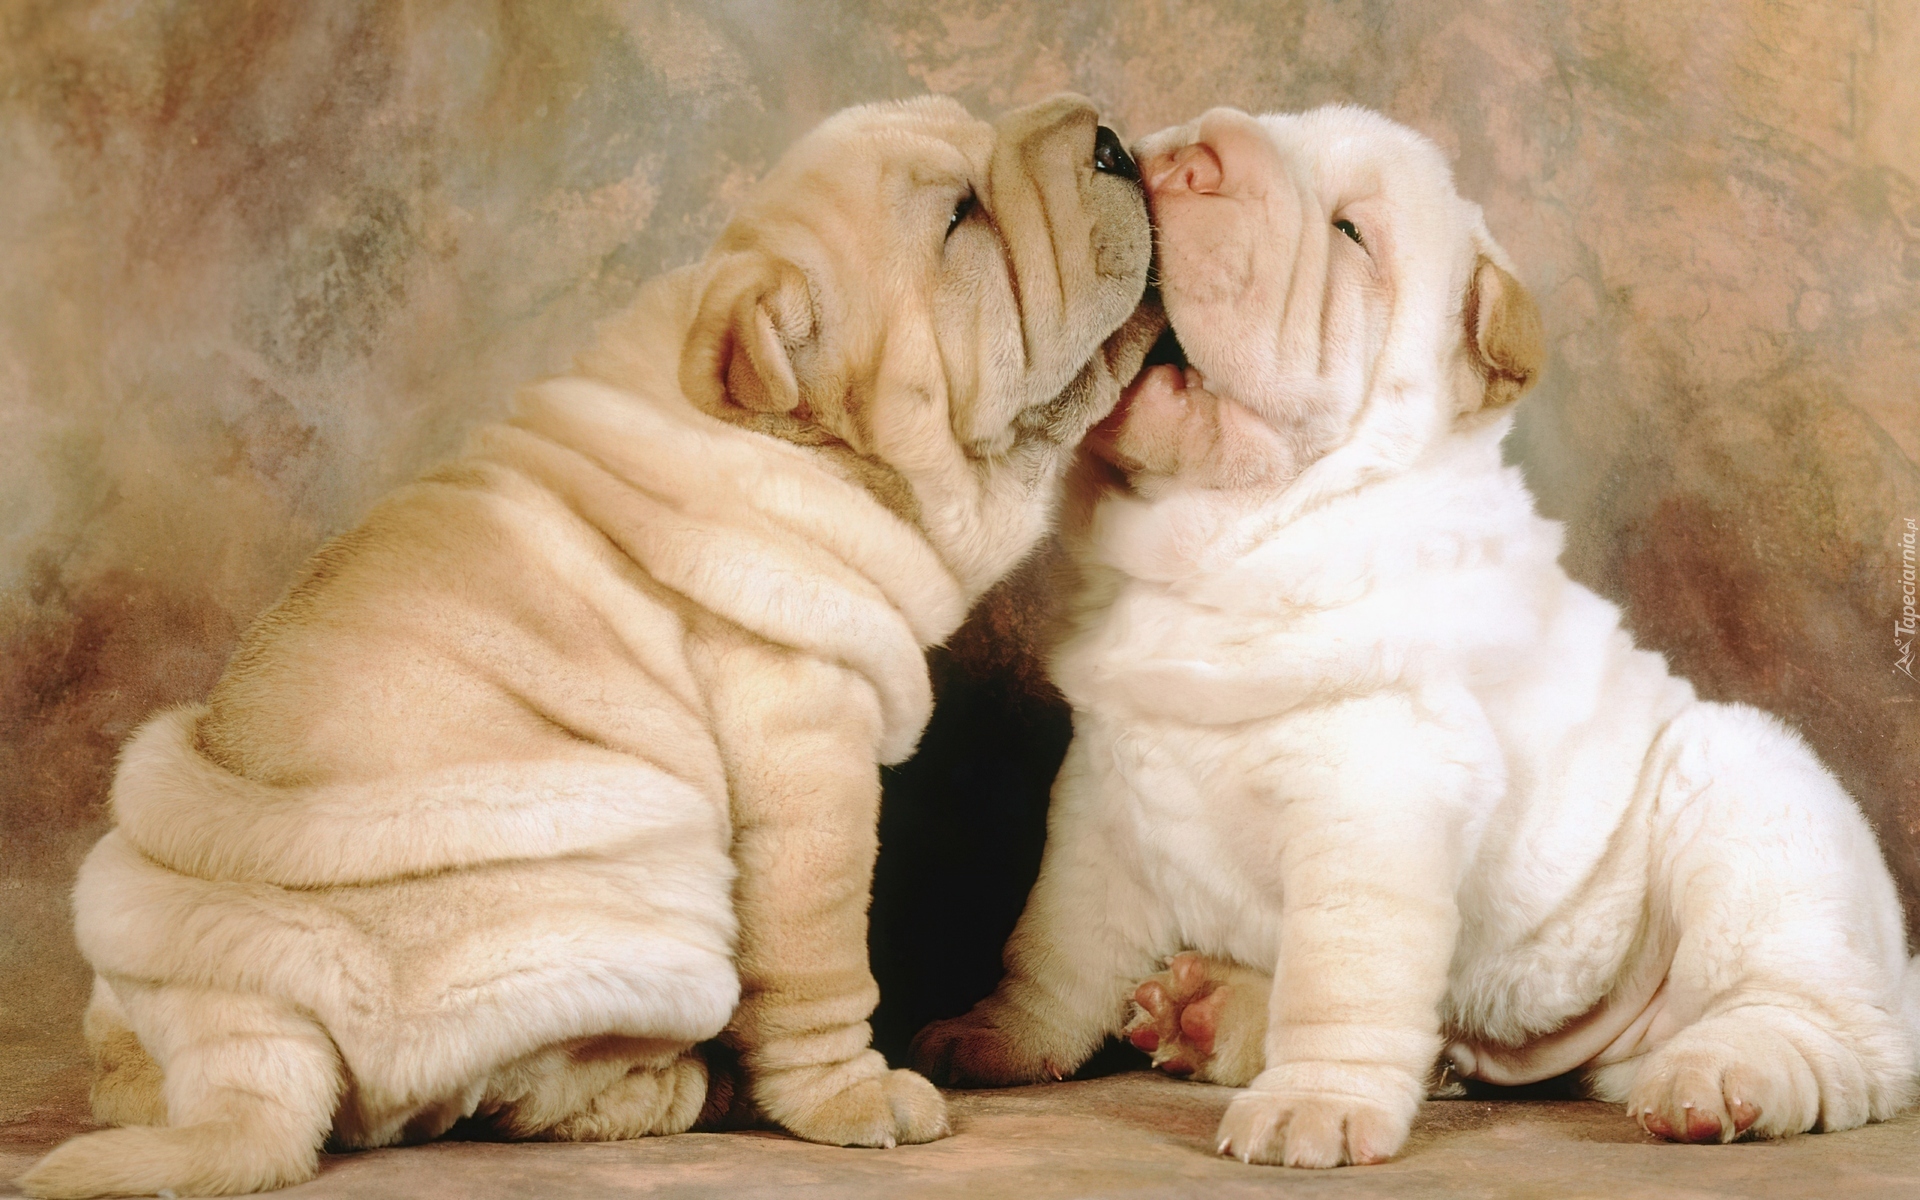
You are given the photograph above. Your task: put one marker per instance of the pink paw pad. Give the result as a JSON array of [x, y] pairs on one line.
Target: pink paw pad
[[1695, 1124], [1179, 1015], [1701, 1126]]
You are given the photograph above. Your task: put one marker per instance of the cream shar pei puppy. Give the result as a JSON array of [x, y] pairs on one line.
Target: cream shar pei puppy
[[1344, 726], [566, 759]]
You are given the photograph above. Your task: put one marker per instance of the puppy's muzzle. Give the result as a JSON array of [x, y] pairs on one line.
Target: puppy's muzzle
[[1112, 157]]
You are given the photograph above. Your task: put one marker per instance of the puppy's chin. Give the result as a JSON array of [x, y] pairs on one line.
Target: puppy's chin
[[1170, 431]]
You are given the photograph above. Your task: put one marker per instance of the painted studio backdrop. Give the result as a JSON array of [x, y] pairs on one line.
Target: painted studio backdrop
[[260, 262]]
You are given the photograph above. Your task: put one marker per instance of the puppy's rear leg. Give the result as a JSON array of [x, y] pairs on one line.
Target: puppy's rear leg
[[1783, 996], [651, 1098], [126, 1081], [601, 1090], [250, 1086]]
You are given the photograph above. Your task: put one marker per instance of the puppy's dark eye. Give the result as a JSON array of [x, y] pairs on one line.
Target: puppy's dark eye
[[960, 212], [1345, 226]]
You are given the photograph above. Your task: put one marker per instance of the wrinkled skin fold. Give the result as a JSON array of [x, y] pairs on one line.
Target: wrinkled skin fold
[[559, 772], [1353, 751]]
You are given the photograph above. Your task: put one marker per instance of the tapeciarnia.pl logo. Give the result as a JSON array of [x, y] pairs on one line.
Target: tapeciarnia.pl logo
[[1905, 626]]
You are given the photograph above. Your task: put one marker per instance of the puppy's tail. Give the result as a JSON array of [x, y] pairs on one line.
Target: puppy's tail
[[214, 1158], [253, 1085], [189, 813]]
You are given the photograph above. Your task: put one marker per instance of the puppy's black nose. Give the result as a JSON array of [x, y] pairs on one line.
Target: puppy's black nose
[[1110, 156]]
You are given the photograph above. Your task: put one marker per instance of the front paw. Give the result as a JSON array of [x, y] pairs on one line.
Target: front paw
[[975, 1050], [1317, 1127], [891, 1108]]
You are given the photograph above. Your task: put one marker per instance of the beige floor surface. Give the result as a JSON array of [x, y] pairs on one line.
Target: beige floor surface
[[1131, 1135]]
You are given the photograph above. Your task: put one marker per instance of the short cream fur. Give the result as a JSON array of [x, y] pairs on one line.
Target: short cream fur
[[1343, 724], [565, 760]]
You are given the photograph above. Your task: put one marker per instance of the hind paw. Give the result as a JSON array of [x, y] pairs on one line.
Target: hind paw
[[1202, 1018], [1698, 1100], [1740, 1074]]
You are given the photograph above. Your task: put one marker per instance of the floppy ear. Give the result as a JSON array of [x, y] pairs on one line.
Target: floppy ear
[[1503, 333], [755, 311]]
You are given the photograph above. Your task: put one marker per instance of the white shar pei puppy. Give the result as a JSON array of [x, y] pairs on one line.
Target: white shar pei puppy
[[1344, 726], [566, 759]]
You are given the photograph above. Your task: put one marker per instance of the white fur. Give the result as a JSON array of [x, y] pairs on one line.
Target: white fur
[[1352, 724]]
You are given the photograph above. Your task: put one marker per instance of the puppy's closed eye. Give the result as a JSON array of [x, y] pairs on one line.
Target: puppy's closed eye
[[960, 212]]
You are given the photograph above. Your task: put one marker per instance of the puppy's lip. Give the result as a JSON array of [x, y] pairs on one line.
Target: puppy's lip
[[1103, 439], [1166, 355], [1176, 378]]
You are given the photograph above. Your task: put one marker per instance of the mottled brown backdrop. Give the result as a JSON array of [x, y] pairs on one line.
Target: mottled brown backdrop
[[261, 261]]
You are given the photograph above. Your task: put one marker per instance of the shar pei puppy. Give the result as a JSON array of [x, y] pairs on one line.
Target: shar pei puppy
[[1344, 727], [565, 761]]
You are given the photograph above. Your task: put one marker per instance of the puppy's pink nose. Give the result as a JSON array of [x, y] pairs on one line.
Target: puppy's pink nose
[[1195, 168]]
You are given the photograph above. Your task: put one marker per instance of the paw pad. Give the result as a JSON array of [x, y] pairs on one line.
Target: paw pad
[[1177, 1015]]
